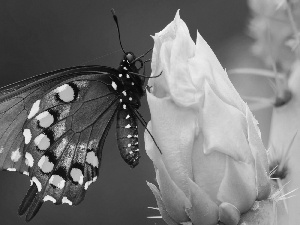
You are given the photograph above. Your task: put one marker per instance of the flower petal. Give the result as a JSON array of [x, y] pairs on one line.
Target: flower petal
[[174, 199], [229, 214], [218, 78], [263, 183], [174, 130], [224, 128], [181, 86], [161, 206], [173, 46], [208, 169], [264, 214], [203, 210], [238, 185]]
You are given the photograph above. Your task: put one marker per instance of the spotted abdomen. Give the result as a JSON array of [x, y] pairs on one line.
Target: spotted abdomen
[[127, 136]]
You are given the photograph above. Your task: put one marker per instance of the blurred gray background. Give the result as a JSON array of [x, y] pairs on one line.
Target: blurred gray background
[[40, 36]]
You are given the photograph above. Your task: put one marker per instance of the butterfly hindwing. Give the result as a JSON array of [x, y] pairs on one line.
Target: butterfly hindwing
[[55, 133]]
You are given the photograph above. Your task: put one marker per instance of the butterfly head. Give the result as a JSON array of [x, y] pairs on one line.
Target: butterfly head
[[129, 57], [130, 62]]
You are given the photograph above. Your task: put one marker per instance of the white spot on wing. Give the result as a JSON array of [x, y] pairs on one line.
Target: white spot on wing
[[125, 68], [65, 93], [127, 126], [42, 142], [45, 165], [129, 145], [92, 159], [127, 76], [127, 116], [37, 183], [120, 75], [114, 85], [45, 119], [57, 181], [27, 135], [11, 169], [66, 200], [87, 184], [130, 99], [77, 175], [29, 159], [34, 109], [15, 155], [124, 93], [26, 173], [1, 149], [129, 136], [49, 198], [124, 106]]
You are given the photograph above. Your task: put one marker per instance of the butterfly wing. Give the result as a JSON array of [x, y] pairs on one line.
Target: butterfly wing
[[53, 127]]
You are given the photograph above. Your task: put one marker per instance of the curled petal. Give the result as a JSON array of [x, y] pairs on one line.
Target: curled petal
[[238, 185], [218, 78], [224, 128], [174, 199], [203, 211], [263, 184], [229, 214], [172, 49], [181, 86], [174, 130], [161, 206]]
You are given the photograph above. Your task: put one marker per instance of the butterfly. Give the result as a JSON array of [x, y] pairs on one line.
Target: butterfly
[[53, 127]]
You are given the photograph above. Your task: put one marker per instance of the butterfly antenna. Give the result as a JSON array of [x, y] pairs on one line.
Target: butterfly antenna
[[144, 123], [142, 55], [117, 23]]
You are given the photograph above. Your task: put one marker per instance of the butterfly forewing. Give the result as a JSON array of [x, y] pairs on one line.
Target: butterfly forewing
[[19, 109]]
